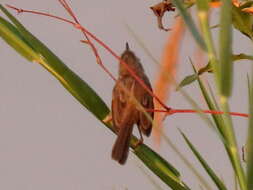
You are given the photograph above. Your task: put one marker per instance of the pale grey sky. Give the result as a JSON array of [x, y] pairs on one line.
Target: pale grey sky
[[48, 141]]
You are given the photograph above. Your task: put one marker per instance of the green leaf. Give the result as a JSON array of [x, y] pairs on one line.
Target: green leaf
[[226, 66], [224, 126], [236, 57], [209, 170], [202, 5], [208, 68], [211, 105], [243, 21], [19, 27], [11, 36], [190, 166], [189, 22], [203, 16], [187, 80], [231, 144], [166, 172], [249, 146]]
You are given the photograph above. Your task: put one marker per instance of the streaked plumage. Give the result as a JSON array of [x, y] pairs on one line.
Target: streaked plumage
[[125, 112]]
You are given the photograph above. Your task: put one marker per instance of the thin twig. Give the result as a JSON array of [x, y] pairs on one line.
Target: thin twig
[[84, 30], [215, 112]]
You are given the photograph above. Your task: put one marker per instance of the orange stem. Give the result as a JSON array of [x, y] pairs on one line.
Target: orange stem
[[85, 31], [215, 112]]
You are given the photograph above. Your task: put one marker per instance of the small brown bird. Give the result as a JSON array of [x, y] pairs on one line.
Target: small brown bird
[[125, 110]]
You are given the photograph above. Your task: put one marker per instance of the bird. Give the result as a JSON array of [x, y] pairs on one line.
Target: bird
[[125, 111]]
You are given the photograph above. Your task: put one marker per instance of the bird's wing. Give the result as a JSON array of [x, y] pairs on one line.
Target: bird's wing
[[146, 118], [120, 99]]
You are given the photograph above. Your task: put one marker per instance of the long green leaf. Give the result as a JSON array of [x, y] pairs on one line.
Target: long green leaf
[[225, 129], [211, 105], [226, 71], [209, 170], [191, 167], [160, 167], [13, 38], [231, 144], [202, 6], [226, 135], [249, 145], [189, 22]]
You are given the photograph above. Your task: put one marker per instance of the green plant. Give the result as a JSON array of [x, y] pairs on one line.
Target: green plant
[[220, 63]]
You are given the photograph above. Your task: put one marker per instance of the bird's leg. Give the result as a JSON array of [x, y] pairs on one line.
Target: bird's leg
[[140, 141]]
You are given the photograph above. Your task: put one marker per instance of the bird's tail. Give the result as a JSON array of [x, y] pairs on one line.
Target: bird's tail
[[121, 147]]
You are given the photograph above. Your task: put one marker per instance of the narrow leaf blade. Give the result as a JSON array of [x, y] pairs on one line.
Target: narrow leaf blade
[[11, 36], [187, 80], [226, 71], [249, 145], [189, 22], [210, 171]]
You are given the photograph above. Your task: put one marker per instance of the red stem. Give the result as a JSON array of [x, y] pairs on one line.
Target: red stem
[[173, 111], [77, 25], [85, 31]]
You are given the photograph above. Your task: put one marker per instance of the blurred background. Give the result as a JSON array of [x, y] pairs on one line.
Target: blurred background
[[49, 141]]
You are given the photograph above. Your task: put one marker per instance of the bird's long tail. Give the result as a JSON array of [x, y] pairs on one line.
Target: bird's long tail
[[121, 147]]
